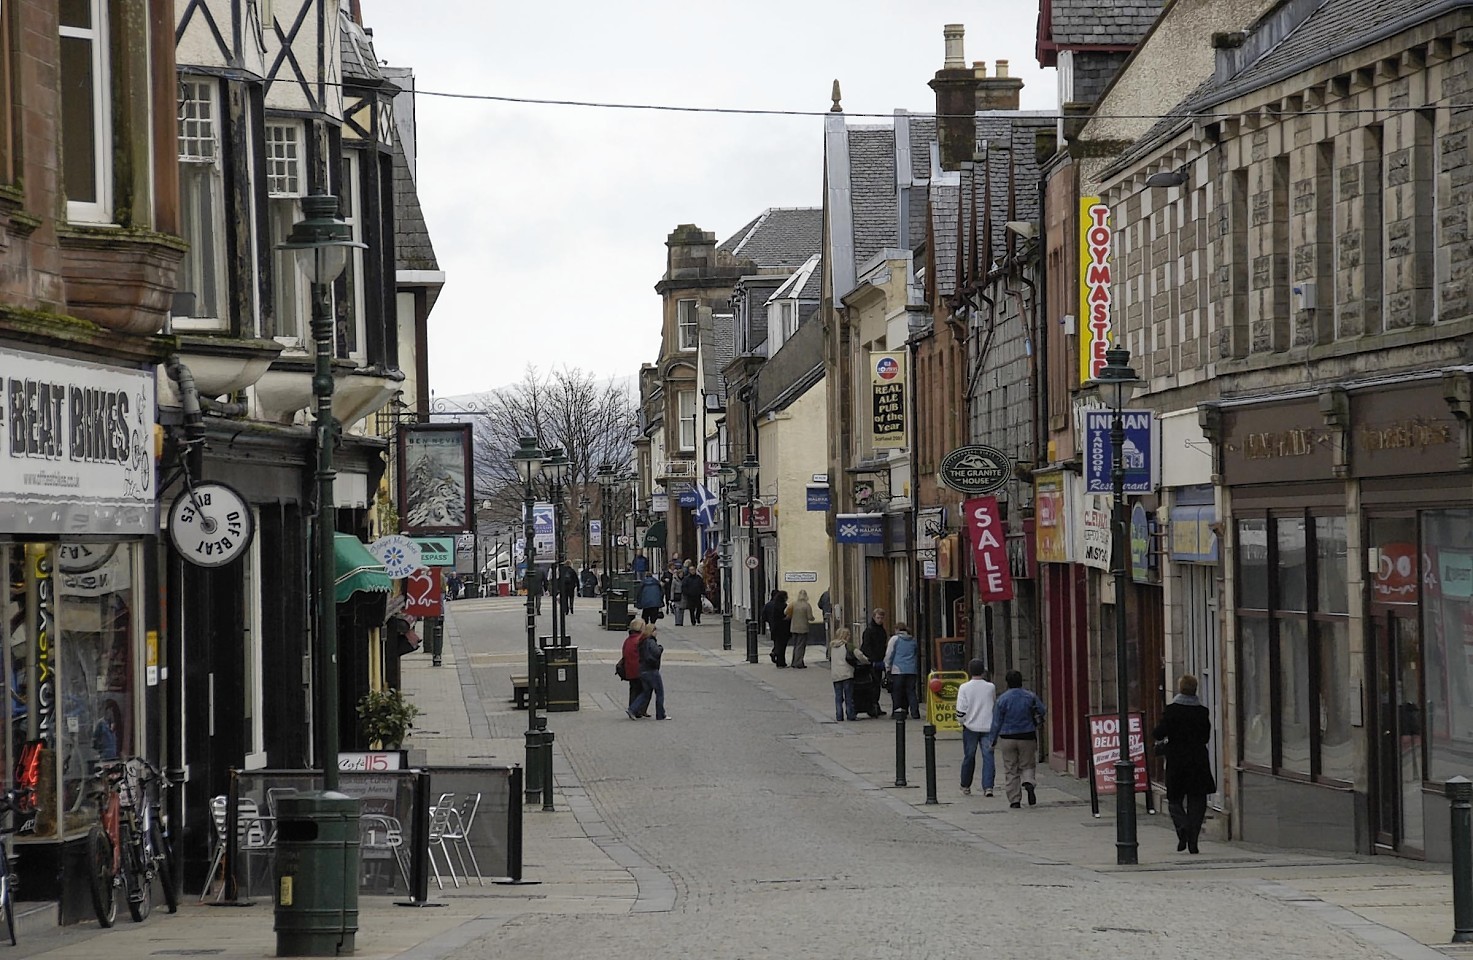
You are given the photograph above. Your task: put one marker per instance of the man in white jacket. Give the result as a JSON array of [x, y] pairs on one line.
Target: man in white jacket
[[975, 701]]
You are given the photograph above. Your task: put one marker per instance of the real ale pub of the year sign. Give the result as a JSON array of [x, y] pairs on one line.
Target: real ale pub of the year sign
[[887, 387]]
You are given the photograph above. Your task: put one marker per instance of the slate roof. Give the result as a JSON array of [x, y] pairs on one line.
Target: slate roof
[[872, 191], [777, 237], [1010, 138], [1101, 22], [412, 247], [1332, 30], [359, 61], [813, 288]]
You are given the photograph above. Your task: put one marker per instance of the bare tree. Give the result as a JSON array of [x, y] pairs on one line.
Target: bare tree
[[594, 422]]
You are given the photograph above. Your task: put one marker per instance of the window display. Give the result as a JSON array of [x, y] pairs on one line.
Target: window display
[[1447, 629]]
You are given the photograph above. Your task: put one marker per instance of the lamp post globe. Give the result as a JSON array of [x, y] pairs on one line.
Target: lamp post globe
[[1117, 381]]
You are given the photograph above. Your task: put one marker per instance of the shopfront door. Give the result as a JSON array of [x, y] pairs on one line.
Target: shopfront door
[[1397, 769]]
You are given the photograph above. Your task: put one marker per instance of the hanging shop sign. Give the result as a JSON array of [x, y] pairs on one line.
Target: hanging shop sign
[[859, 528], [687, 497], [1096, 306], [423, 593], [976, 469], [660, 503], [399, 554], [1051, 507], [931, 526], [210, 524], [994, 581], [818, 498], [76, 447], [1099, 453], [1094, 532], [887, 389], [437, 551], [1192, 537], [595, 534], [760, 517], [436, 482]]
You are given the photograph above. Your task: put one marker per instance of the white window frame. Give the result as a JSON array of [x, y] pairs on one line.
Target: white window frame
[[285, 173], [255, 748], [284, 208], [205, 164], [685, 401], [687, 318], [352, 214], [99, 211]]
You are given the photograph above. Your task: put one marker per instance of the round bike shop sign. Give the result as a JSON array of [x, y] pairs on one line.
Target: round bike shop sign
[[976, 469]]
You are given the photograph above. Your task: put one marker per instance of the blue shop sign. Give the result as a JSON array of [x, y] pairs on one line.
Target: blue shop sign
[[860, 528], [1140, 428], [687, 497], [818, 498]]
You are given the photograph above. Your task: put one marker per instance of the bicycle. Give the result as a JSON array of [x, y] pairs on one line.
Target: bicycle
[[10, 802], [128, 846]]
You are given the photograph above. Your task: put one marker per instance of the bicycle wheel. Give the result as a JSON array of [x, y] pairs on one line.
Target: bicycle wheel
[[163, 859], [100, 876], [137, 870]]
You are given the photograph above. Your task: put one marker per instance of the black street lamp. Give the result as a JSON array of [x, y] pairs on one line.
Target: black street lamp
[[606, 479], [1117, 382], [322, 243], [749, 469], [528, 461], [557, 468], [728, 475], [583, 504]]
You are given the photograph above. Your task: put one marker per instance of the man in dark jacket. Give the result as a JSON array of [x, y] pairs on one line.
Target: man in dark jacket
[[533, 581], [775, 615], [873, 644], [693, 591], [1186, 726], [568, 586], [650, 599]]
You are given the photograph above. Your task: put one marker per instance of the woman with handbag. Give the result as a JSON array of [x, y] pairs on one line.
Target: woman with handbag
[[843, 658], [1186, 726], [628, 669]]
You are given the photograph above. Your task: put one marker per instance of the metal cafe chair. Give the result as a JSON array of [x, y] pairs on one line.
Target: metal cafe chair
[[440, 831], [254, 834], [462, 816], [377, 831]]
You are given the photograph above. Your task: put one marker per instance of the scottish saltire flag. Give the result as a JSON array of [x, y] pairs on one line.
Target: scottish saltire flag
[[706, 504]]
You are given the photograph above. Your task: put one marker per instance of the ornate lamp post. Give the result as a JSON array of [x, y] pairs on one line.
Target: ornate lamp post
[[528, 461], [749, 469], [556, 469], [583, 504], [322, 243], [1117, 382], [606, 479], [728, 475]]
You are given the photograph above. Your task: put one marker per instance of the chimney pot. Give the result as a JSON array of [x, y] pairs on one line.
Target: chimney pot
[[1002, 68], [979, 68], [953, 33]]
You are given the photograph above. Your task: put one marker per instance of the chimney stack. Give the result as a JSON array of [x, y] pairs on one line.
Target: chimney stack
[[955, 85], [1000, 91]]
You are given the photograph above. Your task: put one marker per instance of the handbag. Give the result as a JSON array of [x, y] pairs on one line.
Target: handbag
[[850, 658], [619, 669]]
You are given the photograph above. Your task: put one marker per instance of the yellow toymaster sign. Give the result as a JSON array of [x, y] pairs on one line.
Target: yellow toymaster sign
[[941, 703]]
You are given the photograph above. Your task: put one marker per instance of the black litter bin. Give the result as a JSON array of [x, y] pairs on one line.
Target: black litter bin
[[316, 872], [616, 610], [560, 668]]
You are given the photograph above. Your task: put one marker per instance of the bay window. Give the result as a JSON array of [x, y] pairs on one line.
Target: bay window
[[688, 323], [687, 419]]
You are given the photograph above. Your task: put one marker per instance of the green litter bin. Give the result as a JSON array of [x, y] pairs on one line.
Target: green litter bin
[[560, 673], [616, 610], [316, 873]]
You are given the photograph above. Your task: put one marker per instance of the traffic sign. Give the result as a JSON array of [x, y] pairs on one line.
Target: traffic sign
[[751, 563]]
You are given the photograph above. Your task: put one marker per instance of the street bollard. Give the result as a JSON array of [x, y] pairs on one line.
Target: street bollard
[[1459, 792], [930, 733], [751, 641], [900, 749], [546, 770]]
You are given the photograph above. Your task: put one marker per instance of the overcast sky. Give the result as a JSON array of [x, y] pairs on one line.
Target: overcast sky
[[550, 221]]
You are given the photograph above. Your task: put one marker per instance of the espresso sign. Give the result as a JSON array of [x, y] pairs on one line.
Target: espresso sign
[[976, 469]]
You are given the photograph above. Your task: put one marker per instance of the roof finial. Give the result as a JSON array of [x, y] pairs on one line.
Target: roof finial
[[835, 97]]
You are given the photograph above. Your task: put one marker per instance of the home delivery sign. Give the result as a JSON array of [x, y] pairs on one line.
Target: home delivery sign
[[1096, 303]]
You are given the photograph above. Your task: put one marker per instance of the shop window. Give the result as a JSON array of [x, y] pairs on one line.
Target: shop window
[[86, 123], [1293, 644], [1447, 629]]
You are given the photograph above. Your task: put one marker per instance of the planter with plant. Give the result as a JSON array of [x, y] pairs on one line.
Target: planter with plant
[[386, 717]]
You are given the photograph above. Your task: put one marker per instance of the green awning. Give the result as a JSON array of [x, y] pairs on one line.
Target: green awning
[[655, 535], [358, 570]]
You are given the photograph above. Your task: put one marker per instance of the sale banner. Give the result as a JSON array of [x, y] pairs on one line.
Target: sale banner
[[423, 596], [989, 549]]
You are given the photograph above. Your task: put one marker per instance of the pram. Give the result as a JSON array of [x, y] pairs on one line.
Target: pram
[[866, 690]]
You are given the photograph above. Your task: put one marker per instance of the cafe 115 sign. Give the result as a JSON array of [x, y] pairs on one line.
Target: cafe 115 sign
[[887, 384], [989, 549], [1140, 430]]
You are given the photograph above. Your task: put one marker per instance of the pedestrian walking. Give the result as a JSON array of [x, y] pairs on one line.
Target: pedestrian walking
[[843, 658], [677, 582], [1015, 721], [1186, 727], [873, 643], [568, 587], [650, 653], [650, 599], [641, 563], [776, 615], [903, 666], [692, 592], [533, 581], [630, 661], [826, 613], [800, 617], [975, 702], [590, 582]]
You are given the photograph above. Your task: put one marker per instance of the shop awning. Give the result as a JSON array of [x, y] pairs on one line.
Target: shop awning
[[358, 570], [655, 535]]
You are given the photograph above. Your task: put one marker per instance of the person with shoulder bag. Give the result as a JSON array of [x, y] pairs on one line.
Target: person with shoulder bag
[[1015, 721], [843, 658], [628, 667], [903, 667], [650, 653]]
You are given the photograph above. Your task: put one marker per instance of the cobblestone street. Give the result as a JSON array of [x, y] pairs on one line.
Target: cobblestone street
[[762, 828]]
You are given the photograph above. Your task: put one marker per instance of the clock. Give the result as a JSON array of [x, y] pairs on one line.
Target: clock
[[211, 524]]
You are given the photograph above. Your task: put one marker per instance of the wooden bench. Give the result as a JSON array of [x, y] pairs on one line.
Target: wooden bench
[[519, 690]]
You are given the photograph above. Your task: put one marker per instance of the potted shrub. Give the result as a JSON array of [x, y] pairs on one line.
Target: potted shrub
[[386, 717]]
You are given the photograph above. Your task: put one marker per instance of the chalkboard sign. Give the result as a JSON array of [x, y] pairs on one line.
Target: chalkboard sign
[[951, 654]]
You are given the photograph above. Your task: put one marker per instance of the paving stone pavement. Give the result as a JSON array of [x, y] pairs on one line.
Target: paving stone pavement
[[753, 825]]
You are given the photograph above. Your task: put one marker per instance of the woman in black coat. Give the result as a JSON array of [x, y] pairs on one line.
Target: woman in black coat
[[778, 624], [1186, 728]]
